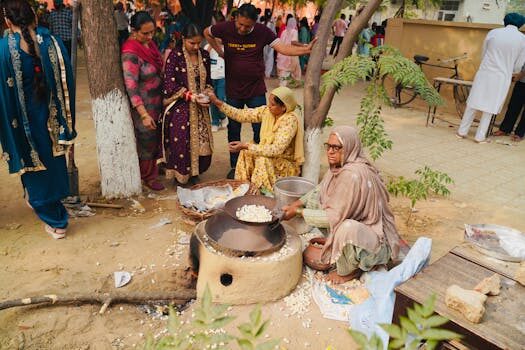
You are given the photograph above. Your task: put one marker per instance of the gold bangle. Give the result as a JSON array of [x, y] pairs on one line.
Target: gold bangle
[[299, 212], [144, 116]]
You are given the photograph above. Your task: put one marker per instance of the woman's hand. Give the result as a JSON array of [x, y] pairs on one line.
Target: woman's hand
[[289, 212], [148, 122], [237, 146], [213, 98], [202, 100]]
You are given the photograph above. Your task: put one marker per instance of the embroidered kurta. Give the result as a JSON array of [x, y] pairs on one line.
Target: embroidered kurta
[[263, 164], [35, 132], [187, 142], [143, 83]]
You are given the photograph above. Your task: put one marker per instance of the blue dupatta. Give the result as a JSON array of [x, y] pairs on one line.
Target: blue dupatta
[[17, 144]]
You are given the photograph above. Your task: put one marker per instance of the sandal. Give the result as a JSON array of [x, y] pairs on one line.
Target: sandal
[[500, 133], [459, 136], [516, 138], [155, 185], [56, 233]]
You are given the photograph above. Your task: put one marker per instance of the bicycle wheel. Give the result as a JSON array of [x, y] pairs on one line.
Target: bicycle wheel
[[398, 95], [460, 98]]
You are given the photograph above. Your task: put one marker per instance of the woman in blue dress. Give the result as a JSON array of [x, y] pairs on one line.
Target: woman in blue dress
[[37, 112]]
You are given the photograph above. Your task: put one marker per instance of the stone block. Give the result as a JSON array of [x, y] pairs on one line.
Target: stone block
[[469, 303]]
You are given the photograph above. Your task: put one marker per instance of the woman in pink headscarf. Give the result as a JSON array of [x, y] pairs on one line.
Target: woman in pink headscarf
[[288, 67], [352, 203]]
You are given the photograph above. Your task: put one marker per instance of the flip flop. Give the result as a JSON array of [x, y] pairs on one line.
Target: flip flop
[[483, 141], [516, 138], [56, 233], [459, 136], [500, 133]]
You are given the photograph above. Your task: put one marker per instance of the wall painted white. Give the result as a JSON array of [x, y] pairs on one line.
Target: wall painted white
[[482, 11], [116, 146]]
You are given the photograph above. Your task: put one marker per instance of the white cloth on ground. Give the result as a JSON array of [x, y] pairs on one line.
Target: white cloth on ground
[[379, 307], [503, 54]]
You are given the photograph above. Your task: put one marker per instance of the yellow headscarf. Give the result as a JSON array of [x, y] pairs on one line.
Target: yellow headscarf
[[268, 129]]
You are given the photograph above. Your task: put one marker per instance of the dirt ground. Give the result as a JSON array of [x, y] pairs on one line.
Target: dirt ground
[[32, 264]]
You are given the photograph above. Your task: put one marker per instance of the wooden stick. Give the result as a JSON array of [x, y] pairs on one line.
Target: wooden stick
[[105, 205], [177, 297]]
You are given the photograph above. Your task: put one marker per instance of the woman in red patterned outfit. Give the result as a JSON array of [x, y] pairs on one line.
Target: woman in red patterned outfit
[[142, 66]]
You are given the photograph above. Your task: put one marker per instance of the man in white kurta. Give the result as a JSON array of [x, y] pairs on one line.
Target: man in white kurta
[[503, 54]]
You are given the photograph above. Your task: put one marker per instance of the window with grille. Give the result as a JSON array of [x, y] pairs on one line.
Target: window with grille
[[450, 5]]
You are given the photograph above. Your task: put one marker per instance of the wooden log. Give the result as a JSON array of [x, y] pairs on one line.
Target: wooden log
[[176, 297], [105, 205]]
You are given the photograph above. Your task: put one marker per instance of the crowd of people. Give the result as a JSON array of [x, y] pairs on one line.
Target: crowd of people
[[181, 91]]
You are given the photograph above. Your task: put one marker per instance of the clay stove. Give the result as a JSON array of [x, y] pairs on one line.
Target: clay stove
[[246, 263]]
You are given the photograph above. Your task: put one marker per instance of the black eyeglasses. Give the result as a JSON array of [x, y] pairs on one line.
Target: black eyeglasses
[[336, 148]]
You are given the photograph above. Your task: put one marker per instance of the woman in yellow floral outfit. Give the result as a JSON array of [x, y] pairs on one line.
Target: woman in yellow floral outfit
[[280, 152]]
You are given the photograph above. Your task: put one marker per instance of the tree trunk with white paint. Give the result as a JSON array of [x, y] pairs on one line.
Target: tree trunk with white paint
[[312, 97], [316, 108], [116, 145]]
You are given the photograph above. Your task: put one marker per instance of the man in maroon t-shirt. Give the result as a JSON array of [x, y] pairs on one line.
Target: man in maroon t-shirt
[[244, 41]]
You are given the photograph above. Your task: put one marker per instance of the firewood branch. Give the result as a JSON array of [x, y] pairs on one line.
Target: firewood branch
[[176, 297]]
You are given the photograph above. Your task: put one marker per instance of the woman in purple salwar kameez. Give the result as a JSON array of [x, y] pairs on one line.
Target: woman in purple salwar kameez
[[186, 128]]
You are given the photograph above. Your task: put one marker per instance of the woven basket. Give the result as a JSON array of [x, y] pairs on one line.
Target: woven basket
[[198, 216]]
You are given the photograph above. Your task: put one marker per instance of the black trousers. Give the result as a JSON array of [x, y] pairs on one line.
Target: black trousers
[[335, 44], [516, 106], [234, 127]]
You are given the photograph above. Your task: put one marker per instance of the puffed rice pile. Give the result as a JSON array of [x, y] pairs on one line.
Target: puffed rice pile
[[254, 213]]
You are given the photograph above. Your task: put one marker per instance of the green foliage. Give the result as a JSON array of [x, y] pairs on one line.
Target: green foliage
[[429, 181], [205, 331], [254, 330], [328, 122], [382, 61], [420, 327], [371, 126]]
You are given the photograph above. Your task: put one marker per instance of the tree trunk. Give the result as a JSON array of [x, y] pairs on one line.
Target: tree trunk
[[316, 108], [311, 92], [116, 145]]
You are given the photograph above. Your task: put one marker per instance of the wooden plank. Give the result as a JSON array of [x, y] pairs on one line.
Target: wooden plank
[[503, 323], [505, 268]]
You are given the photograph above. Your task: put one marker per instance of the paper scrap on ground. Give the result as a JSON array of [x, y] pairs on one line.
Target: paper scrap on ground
[[121, 278], [162, 222]]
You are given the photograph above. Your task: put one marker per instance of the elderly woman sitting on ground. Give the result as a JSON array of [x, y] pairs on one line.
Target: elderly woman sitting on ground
[[280, 152], [352, 202]]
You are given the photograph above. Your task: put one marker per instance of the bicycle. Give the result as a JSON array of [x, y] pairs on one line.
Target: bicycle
[[402, 95]]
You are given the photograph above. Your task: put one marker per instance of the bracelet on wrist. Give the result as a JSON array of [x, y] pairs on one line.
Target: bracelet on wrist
[[299, 212], [144, 116]]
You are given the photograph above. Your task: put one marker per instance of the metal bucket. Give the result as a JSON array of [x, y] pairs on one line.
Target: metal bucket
[[289, 189]]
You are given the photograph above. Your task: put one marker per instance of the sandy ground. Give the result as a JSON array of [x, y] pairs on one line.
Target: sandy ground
[[33, 264]]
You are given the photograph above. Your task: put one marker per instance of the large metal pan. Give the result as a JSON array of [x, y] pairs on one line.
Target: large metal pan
[[236, 238], [233, 204]]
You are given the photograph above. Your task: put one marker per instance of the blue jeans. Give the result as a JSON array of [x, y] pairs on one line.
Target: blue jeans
[[219, 87], [234, 128]]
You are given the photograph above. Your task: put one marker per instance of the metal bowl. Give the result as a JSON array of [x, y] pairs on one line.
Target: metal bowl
[[233, 204], [236, 238]]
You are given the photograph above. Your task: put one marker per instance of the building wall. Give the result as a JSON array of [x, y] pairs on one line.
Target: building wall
[[482, 11], [440, 40]]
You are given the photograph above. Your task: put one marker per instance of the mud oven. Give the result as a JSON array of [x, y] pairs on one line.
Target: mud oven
[[244, 263]]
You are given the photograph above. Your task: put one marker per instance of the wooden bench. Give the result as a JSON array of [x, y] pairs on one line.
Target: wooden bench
[[438, 81], [502, 326]]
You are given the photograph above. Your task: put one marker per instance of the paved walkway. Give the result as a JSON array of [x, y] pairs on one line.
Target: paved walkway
[[485, 174]]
